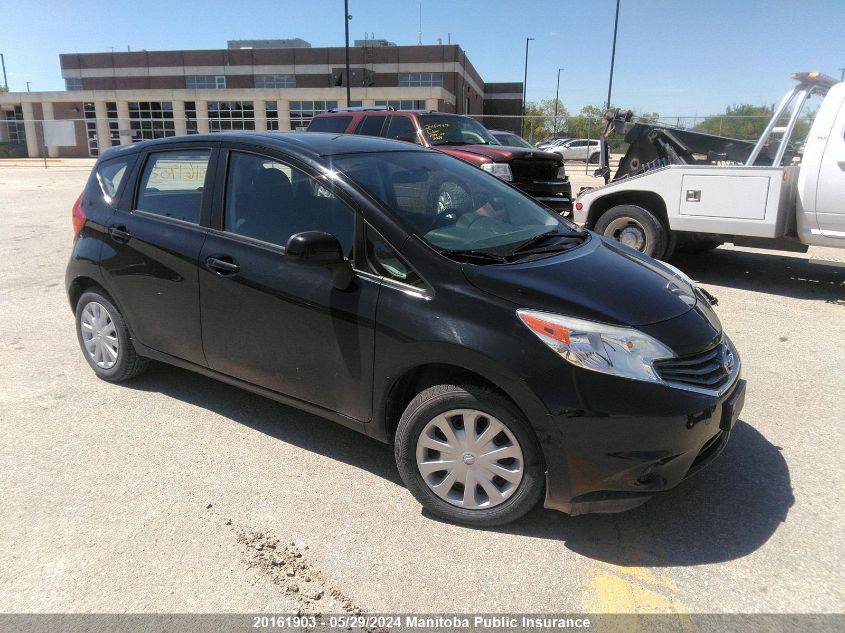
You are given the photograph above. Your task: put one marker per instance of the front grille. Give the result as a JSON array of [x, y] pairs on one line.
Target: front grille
[[708, 370], [525, 169]]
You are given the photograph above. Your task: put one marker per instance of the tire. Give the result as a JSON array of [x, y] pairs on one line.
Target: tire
[[671, 245], [696, 247], [594, 158], [104, 339], [636, 227], [507, 500]]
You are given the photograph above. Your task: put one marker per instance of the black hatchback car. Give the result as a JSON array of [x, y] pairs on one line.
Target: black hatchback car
[[506, 353]]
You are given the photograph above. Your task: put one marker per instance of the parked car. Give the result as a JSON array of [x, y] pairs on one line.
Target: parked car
[[579, 149], [509, 139], [550, 143], [539, 174], [508, 355]]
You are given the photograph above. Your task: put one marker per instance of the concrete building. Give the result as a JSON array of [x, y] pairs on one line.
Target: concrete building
[[120, 98]]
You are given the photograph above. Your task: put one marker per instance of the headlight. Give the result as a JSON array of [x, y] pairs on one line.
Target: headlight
[[499, 170], [561, 173], [609, 349], [678, 273]]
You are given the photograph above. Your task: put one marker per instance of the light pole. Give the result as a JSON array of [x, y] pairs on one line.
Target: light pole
[[346, 18], [841, 73], [613, 54], [524, 85], [27, 85], [3, 63], [557, 100]]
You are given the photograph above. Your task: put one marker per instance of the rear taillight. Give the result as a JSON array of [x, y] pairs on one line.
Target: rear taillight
[[78, 217]]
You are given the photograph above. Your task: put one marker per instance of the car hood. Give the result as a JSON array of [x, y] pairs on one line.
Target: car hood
[[498, 153], [600, 281]]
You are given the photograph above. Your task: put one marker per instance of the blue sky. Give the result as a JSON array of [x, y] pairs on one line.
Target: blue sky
[[676, 57]]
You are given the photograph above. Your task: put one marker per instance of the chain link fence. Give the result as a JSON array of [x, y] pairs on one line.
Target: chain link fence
[[93, 134], [535, 129]]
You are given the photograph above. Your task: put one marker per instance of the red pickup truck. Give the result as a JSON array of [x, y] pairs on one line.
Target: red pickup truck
[[537, 173]]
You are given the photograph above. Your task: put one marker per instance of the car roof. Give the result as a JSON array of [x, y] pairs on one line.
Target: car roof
[[313, 144]]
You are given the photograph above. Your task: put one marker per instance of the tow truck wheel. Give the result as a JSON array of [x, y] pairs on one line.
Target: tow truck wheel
[[636, 227]]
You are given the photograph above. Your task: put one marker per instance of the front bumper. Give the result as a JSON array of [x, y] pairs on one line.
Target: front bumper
[[555, 194], [612, 463]]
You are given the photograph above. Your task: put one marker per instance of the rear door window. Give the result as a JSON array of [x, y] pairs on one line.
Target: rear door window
[[334, 124], [400, 126], [371, 125], [172, 184]]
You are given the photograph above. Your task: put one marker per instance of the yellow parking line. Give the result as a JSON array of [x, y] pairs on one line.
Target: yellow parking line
[[637, 590]]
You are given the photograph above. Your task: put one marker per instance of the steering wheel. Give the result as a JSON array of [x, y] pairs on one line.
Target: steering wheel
[[447, 217]]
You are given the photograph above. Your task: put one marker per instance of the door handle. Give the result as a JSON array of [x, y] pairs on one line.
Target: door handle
[[119, 234], [223, 265]]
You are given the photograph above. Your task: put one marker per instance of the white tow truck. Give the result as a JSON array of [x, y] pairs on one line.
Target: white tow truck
[[695, 191]]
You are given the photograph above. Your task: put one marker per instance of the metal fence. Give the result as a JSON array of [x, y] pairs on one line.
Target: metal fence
[[540, 128], [95, 134]]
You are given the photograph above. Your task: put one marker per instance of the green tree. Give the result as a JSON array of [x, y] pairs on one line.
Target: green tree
[[4, 88], [744, 121], [539, 123]]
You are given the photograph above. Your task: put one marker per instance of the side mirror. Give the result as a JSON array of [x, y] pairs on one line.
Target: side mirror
[[317, 248]]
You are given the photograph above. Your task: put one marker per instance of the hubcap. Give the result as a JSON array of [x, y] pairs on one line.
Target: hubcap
[[470, 459], [629, 232], [99, 335]]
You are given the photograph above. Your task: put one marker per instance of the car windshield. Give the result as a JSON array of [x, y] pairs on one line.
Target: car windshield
[[512, 140], [442, 129], [457, 208]]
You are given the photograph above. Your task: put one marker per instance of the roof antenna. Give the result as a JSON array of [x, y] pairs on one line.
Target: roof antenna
[[419, 41]]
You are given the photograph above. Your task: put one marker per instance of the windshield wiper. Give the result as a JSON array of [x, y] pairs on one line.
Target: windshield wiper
[[543, 237], [473, 256]]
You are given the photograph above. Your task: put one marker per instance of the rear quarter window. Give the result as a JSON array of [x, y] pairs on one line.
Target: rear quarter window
[[334, 124], [112, 176]]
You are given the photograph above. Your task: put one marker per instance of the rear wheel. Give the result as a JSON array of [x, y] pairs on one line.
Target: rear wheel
[[469, 456], [636, 227], [594, 158], [104, 339]]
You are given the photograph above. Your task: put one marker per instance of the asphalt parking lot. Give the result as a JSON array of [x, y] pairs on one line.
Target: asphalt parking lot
[[176, 493]]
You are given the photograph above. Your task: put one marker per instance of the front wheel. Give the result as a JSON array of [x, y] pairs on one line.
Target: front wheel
[[636, 227], [469, 456]]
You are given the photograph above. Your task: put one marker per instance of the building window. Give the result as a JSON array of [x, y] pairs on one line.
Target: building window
[[413, 80], [403, 104], [114, 125], [91, 129], [151, 119], [191, 117], [215, 82], [301, 112], [272, 108], [14, 123], [354, 104], [275, 81], [73, 83], [230, 115]]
